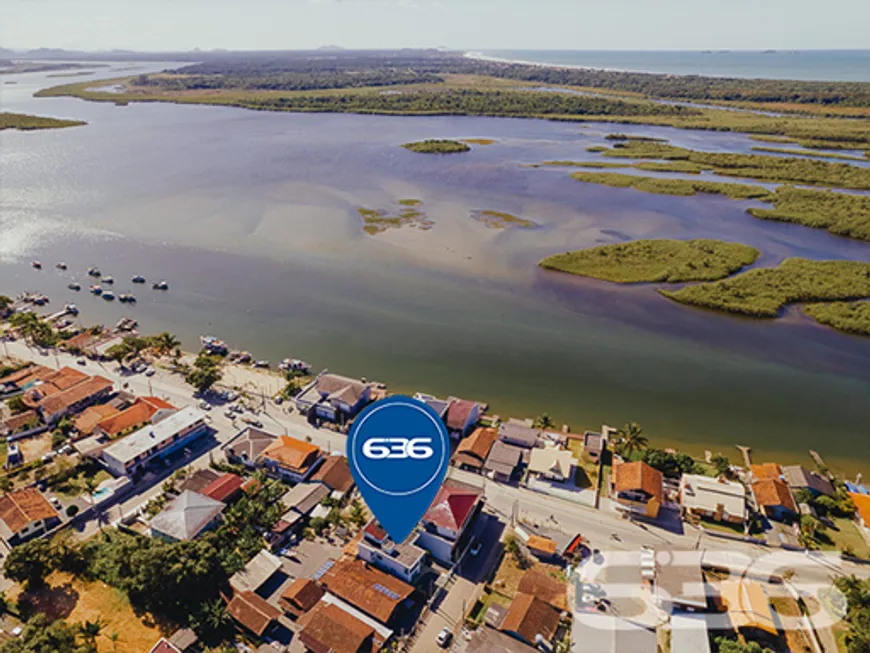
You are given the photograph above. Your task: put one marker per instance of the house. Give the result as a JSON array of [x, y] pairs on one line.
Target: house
[[226, 488], [405, 561], [543, 548], [304, 498], [256, 572], [51, 382], [186, 517], [774, 499], [247, 445], [594, 632], [862, 511], [679, 582], [333, 398], [87, 421], [593, 445], [531, 620], [25, 514], [144, 410], [75, 398], [446, 524], [199, 480], [519, 433], [797, 476], [552, 464], [747, 606], [472, 451], [440, 406], [370, 590], [329, 629], [502, 462], [335, 474], [713, 498], [164, 646], [461, 417], [544, 587], [290, 459], [637, 488], [181, 641], [765, 471], [254, 614], [690, 633], [22, 379], [20, 423], [300, 596], [131, 454]]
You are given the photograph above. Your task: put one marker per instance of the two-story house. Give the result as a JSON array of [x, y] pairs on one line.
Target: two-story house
[[290, 459], [447, 524], [461, 417], [25, 514], [334, 398], [405, 561]]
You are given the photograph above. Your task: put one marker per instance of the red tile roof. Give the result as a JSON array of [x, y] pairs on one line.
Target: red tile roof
[[638, 475], [529, 617], [366, 588], [18, 509], [141, 412], [164, 646], [224, 487], [375, 530], [767, 470], [302, 595], [65, 378], [15, 422], [545, 587], [332, 630], [335, 474], [458, 412], [773, 492], [452, 505], [77, 393], [90, 417], [252, 612]]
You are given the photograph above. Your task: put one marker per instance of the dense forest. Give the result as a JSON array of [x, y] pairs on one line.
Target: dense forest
[[305, 68]]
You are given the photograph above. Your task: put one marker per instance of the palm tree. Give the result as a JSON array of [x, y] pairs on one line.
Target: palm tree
[[631, 439], [90, 630], [114, 636], [544, 421], [6, 484], [165, 343], [214, 615]]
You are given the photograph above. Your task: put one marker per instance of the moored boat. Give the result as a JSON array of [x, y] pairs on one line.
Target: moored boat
[[37, 265], [96, 290], [94, 272], [161, 285], [127, 298], [138, 278], [75, 285], [60, 265], [108, 280], [108, 295], [72, 309]]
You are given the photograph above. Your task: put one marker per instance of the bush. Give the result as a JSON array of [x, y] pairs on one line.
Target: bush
[[72, 510]]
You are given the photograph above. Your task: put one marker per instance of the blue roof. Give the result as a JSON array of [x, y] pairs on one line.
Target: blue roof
[[856, 489]]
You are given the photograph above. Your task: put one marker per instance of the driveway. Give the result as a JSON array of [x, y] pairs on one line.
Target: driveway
[[449, 613], [487, 530]]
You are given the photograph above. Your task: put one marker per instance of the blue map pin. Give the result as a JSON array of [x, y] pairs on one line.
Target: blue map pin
[[399, 451]]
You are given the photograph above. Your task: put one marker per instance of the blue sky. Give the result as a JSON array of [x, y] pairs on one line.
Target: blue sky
[[465, 24]]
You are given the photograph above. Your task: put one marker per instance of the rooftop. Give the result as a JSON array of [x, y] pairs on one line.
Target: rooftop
[[766, 470], [705, 493], [367, 588], [335, 474], [452, 505], [551, 461], [800, 477], [258, 570], [474, 449], [250, 443], [87, 421], [304, 497], [252, 612], [862, 505], [186, 515], [375, 538], [529, 616], [679, 578], [636, 476], [142, 410], [341, 388], [153, 435], [593, 442], [293, 454], [301, 595], [199, 479], [773, 492], [593, 632], [689, 633], [458, 412], [503, 458], [543, 544], [164, 646], [63, 400], [519, 433], [224, 487], [545, 587], [20, 508], [332, 630]]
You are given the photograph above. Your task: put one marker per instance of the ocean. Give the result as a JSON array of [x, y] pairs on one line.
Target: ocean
[[810, 65]]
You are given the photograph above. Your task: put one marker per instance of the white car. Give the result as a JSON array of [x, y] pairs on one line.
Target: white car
[[444, 637], [149, 371], [204, 405]]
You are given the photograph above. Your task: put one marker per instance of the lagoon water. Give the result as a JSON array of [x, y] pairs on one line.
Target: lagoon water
[[251, 216]]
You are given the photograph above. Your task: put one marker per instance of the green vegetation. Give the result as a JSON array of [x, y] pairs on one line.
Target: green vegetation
[[26, 122], [34, 329], [765, 291], [793, 152], [501, 220], [376, 221], [840, 213], [205, 373], [633, 137], [684, 187], [670, 464], [437, 146], [410, 202], [762, 138], [585, 164], [662, 260], [726, 645], [851, 317], [857, 609], [630, 439], [670, 166]]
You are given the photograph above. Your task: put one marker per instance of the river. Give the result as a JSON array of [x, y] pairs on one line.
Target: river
[[251, 216]]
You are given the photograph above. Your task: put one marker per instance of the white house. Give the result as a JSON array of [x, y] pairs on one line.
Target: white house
[[405, 561]]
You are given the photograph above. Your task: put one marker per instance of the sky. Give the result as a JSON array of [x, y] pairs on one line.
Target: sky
[[461, 24]]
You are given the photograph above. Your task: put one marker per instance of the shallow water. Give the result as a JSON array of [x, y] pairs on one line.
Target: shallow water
[[251, 216]]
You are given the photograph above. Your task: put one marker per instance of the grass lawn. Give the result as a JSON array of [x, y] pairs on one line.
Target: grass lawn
[[76, 485], [788, 608], [587, 470], [4, 448], [722, 527], [846, 535]]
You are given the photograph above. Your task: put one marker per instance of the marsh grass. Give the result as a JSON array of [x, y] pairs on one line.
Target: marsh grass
[[851, 317], [437, 146], [502, 220], [825, 155], [840, 213], [26, 122], [634, 137], [682, 187], [764, 292], [661, 260], [376, 221]]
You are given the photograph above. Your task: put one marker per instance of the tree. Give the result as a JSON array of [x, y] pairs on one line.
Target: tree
[[357, 513], [164, 343], [544, 421], [4, 303], [40, 635], [803, 495], [631, 439], [318, 525], [721, 464], [857, 608], [16, 405], [90, 630], [30, 563], [669, 464], [205, 373], [725, 645], [6, 484]]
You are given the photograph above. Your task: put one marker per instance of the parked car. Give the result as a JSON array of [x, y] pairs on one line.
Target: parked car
[[81, 361], [444, 637], [149, 371], [475, 548], [278, 400], [204, 405], [253, 422]]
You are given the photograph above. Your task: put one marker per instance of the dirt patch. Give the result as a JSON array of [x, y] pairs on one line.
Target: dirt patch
[[507, 578], [35, 447]]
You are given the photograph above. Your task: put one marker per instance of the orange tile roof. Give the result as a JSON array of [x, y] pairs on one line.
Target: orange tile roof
[[545, 587], [638, 476], [291, 453], [862, 505], [88, 420], [332, 630], [253, 612], [65, 378], [79, 392], [34, 371], [359, 584], [474, 449], [773, 492], [139, 413], [539, 543], [18, 509], [529, 616], [159, 403], [80, 341], [224, 487], [302, 595], [767, 470], [747, 605], [335, 474]]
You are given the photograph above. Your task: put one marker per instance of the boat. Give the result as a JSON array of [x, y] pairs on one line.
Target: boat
[[94, 272], [126, 324], [160, 285], [108, 295], [39, 300], [96, 290], [75, 285], [60, 266], [72, 309], [294, 365], [213, 345], [37, 265], [127, 298], [108, 280], [245, 357], [261, 363], [138, 279]]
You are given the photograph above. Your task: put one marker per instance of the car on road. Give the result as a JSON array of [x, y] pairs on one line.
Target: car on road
[[229, 414], [204, 405], [81, 361], [149, 371], [475, 548], [253, 422], [444, 637]]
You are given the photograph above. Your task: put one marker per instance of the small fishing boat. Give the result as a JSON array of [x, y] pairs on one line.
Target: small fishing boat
[[108, 295], [161, 285], [37, 265], [75, 285], [294, 365], [96, 290], [39, 300], [72, 309], [261, 363], [126, 324], [214, 345], [60, 266], [127, 298], [94, 272], [108, 280], [138, 279]]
